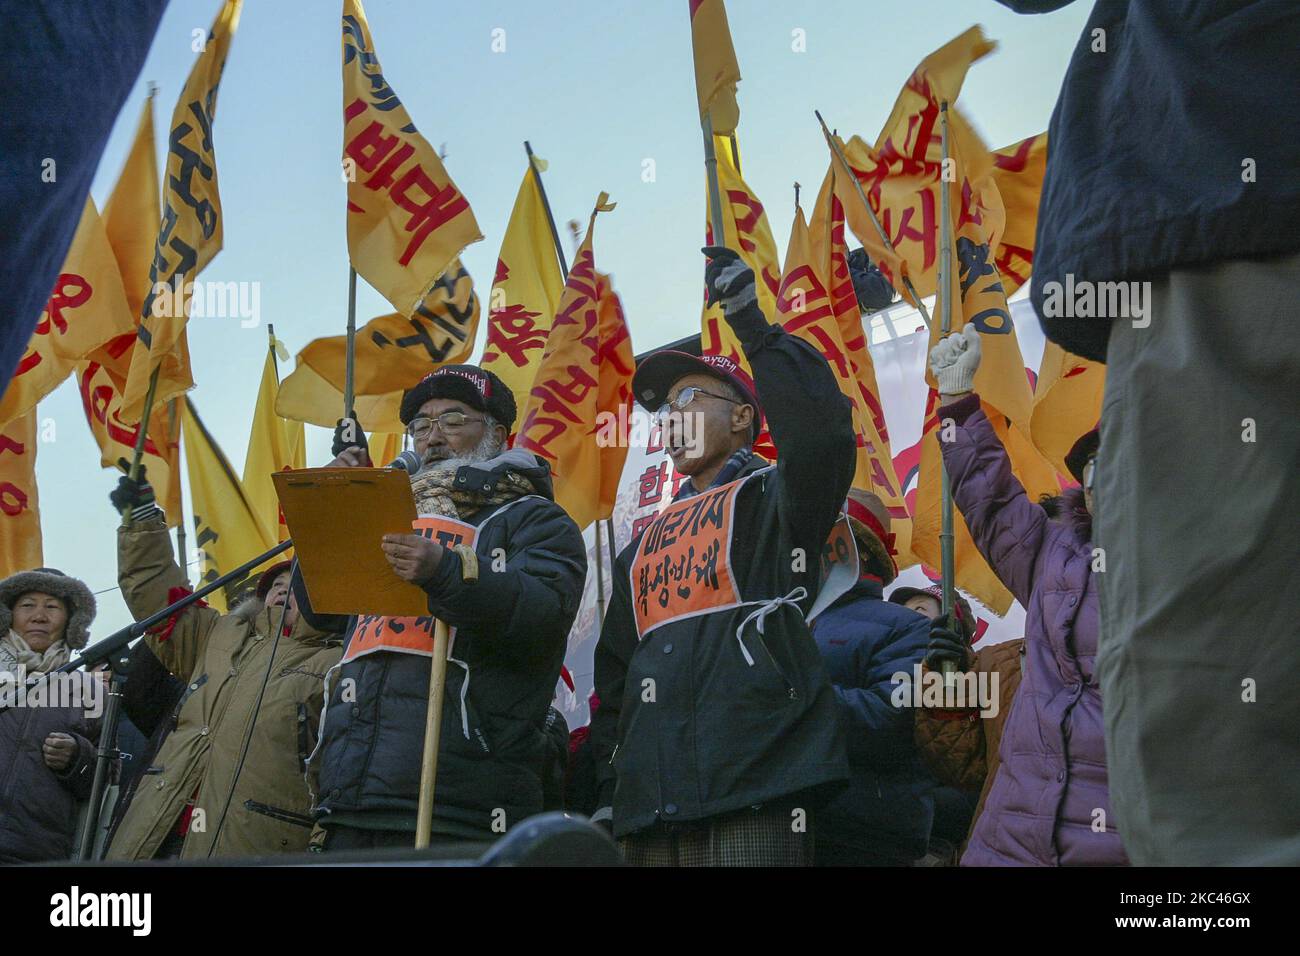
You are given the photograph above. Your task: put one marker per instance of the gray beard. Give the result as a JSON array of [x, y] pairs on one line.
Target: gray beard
[[487, 449]]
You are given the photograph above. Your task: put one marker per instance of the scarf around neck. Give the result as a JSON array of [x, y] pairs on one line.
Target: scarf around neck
[[435, 491], [15, 651]]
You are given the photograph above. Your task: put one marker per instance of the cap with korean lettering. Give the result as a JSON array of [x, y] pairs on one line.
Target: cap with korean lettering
[[476, 387], [660, 371]]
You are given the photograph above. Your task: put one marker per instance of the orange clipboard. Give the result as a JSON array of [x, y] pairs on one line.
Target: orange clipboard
[[338, 518]]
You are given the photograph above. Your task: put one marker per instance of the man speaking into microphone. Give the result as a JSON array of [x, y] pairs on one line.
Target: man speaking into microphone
[[511, 621]]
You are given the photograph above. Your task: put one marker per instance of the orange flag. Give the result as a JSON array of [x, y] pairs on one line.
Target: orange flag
[[560, 420], [616, 364], [20, 519], [716, 69], [525, 293], [85, 310], [406, 219]]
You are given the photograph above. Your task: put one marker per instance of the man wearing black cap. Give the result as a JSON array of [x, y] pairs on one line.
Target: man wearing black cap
[[511, 599], [718, 730]]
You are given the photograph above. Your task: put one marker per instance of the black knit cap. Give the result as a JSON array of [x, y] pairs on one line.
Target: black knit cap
[[1081, 451], [476, 387]]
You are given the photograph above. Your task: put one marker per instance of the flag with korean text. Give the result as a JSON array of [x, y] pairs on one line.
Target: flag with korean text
[[274, 444], [20, 518]]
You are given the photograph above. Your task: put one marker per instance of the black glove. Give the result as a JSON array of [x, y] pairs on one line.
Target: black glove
[[350, 428], [728, 280], [136, 496], [870, 286], [946, 645]]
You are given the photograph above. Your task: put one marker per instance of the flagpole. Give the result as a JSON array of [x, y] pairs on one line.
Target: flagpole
[[142, 436], [350, 367], [546, 204], [715, 191], [735, 152], [173, 422], [944, 287], [884, 236], [564, 268]]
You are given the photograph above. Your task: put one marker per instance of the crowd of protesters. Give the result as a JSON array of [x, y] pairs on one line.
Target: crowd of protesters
[[731, 726]]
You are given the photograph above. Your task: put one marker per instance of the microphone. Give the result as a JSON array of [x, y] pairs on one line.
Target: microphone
[[408, 461]]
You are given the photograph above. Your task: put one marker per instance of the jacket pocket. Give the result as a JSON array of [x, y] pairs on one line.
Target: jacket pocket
[[786, 683], [276, 813]]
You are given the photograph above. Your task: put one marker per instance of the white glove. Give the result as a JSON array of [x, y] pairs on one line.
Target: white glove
[[955, 359]]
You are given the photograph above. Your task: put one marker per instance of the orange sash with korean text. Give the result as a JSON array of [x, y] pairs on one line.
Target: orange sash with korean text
[[682, 566], [409, 635]]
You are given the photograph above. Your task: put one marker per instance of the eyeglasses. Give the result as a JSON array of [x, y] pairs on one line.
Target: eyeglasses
[[685, 397], [448, 422]]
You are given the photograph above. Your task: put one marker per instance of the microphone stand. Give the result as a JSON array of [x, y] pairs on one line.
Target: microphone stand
[[115, 650]]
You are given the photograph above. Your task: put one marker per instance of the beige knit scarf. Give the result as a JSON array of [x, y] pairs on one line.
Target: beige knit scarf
[[436, 494]]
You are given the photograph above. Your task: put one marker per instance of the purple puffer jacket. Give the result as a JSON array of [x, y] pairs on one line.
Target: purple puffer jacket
[[1046, 804]]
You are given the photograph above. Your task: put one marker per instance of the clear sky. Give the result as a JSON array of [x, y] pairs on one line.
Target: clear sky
[[597, 87]]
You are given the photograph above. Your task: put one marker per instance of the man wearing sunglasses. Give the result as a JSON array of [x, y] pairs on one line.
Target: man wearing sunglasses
[[717, 731], [511, 622]]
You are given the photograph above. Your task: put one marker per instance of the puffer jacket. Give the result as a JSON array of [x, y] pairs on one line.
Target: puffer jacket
[[960, 748], [40, 807], [223, 658], [742, 713], [512, 629], [1052, 780], [887, 809]]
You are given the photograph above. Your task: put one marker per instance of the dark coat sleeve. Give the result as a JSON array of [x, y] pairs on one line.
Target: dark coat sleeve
[[618, 640], [811, 424], [539, 588], [150, 692], [878, 732]]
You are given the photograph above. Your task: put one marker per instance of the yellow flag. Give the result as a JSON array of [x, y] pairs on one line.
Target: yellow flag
[[1067, 397], [902, 176], [85, 310], [560, 420], [525, 293], [100, 380], [833, 324], [384, 447], [20, 518], [1067, 402], [616, 363], [716, 69], [393, 352], [273, 445], [227, 531], [1018, 172], [131, 221], [406, 219], [132, 213], [746, 230], [191, 230]]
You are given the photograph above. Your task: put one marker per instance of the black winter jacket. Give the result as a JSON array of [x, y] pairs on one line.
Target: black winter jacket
[[1148, 140], [695, 721], [38, 806], [511, 632], [887, 811]]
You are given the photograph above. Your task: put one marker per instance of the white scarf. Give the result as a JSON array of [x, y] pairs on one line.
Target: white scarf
[[15, 651]]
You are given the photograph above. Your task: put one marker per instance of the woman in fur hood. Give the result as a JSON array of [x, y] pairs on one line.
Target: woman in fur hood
[[49, 723]]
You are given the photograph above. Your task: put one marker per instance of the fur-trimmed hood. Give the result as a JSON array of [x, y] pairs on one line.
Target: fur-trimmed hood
[[72, 592]]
